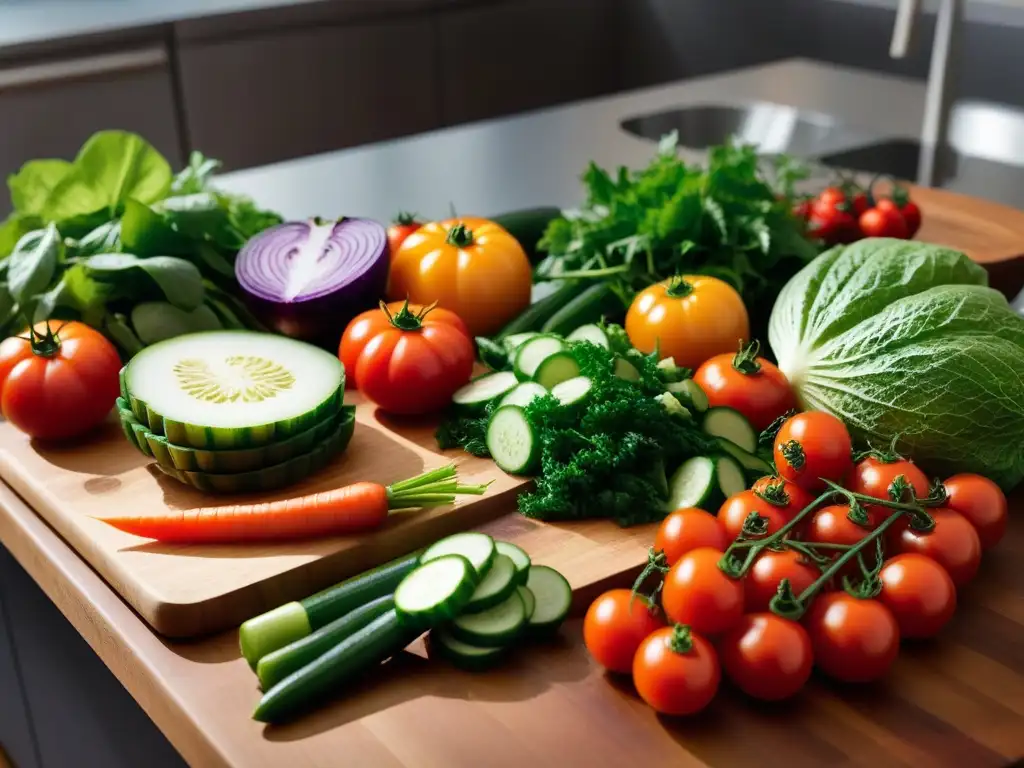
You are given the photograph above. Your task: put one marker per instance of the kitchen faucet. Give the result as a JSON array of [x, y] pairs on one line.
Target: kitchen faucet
[[945, 51]]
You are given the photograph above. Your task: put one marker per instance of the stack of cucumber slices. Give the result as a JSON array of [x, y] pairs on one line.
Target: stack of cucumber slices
[[236, 411]]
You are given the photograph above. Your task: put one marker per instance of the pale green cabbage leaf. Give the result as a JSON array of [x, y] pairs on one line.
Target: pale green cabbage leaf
[[905, 340]]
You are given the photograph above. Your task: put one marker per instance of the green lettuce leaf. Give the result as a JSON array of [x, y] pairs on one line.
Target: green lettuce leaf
[[904, 340]]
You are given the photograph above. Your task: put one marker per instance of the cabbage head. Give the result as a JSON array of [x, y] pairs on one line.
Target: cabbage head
[[905, 340]]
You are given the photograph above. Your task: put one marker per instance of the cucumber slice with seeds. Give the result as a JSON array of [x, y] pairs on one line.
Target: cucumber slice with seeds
[[516, 340], [555, 369], [435, 591], [478, 548], [495, 588], [232, 389], [511, 442], [518, 557], [692, 485], [524, 394], [535, 351], [732, 425], [478, 393], [553, 599], [590, 332], [493, 628], [573, 391]]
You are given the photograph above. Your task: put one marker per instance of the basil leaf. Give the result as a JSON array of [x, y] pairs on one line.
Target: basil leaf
[[105, 238], [31, 186], [14, 228], [195, 176], [144, 232], [6, 304], [179, 280], [32, 264]]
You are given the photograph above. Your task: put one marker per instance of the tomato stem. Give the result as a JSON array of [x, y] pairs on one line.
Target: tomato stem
[[459, 236], [46, 345], [887, 456], [404, 218], [745, 361], [678, 288], [774, 493], [793, 453], [404, 319], [767, 437], [681, 640]]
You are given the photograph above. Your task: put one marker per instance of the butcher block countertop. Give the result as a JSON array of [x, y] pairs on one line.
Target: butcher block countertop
[[958, 701]]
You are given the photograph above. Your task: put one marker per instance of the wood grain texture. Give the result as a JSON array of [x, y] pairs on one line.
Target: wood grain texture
[[184, 591]]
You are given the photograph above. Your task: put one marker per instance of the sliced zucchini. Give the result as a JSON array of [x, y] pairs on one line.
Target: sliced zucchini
[[478, 393], [573, 391], [689, 393], [494, 628], [729, 476], [749, 461], [435, 591], [528, 600], [496, 586], [232, 389], [591, 332], [478, 548], [269, 478], [553, 599], [535, 351], [471, 658], [524, 394], [732, 425], [518, 557], [555, 369], [511, 441], [692, 485], [516, 340], [625, 370], [226, 461]]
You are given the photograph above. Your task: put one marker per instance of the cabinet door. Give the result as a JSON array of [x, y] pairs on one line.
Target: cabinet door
[[497, 59], [16, 738], [297, 92], [49, 109]]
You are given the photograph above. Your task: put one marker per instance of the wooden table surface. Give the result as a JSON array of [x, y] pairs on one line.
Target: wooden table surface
[[958, 701]]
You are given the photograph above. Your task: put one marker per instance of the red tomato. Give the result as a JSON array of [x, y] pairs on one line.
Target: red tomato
[[698, 594], [832, 525], [55, 386], [676, 671], [873, 477], [811, 446], [832, 218], [748, 384], [920, 594], [791, 498], [687, 529], [953, 544], [831, 196], [369, 324], [411, 363], [403, 226], [762, 580], [855, 641], [859, 203], [884, 220], [766, 656], [912, 215], [983, 504], [615, 625], [737, 509], [802, 209]]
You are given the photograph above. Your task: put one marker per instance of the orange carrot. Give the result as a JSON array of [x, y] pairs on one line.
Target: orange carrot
[[355, 508]]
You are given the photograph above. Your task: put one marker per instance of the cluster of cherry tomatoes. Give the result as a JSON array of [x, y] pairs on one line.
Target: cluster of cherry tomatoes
[[703, 620], [845, 214]]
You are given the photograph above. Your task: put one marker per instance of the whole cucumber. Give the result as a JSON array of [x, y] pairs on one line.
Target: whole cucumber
[[590, 306], [528, 227], [534, 316]]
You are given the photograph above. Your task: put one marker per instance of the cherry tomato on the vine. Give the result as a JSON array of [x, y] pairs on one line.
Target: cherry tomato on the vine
[[687, 529], [920, 594], [697, 593], [982, 502], [766, 656], [403, 226], [738, 507], [788, 497], [676, 671], [884, 220], [615, 625], [748, 384], [813, 445], [952, 543], [832, 525], [859, 203], [854, 640], [761, 582], [832, 217], [912, 215], [872, 477]]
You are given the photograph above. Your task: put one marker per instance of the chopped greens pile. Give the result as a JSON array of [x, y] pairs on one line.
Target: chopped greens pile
[[728, 220], [609, 459], [115, 239]]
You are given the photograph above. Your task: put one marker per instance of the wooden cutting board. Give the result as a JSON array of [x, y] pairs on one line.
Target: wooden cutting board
[[185, 591]]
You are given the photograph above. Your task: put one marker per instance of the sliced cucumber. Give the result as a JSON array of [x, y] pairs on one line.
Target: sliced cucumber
[[555, 369], [270, 478], [553, 598], [625, 370], [232, 389], [516, 340], [573, 391], [497, 585], [591, 332], [524, 394], [535, 351], [511, 442], [729, 476], [518, 557], [749, 461], [471, 658], [436, 591], [732, 425], [689, 394], [479, 392], [692, 485], [478, 548], [493, 628], [529, 601]]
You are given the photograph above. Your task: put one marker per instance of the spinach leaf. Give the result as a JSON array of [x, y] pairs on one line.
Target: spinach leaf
[[117, 328], [31, 186], [195, 176], [157, 320], [105, 238], [145, 232], [6, 304], [177, 279], [33, 263], [14, 228]]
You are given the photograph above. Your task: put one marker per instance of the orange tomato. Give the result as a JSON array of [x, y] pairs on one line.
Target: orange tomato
[[468, 265], [687, 529], [676, 671], [690, 319]]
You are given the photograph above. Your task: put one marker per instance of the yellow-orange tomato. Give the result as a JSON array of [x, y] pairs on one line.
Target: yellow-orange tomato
[[471, 266], [690, 319]]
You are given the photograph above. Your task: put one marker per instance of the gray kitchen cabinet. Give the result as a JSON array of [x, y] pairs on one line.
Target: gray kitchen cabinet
[[299, 91], [81, 714], [501, 58], [49, 107], [17, 742]]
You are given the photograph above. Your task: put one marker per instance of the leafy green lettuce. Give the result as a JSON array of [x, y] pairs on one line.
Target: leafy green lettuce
[[905, 340]]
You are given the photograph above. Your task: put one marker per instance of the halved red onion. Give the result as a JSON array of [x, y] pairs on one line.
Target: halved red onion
[[307, 279]]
